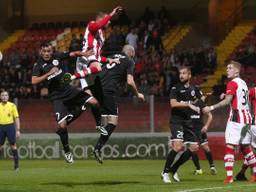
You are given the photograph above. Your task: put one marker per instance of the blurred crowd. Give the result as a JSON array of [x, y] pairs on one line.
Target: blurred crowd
[[155, 71]]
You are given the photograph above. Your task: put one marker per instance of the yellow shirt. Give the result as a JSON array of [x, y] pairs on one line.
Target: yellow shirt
[[8, 112]]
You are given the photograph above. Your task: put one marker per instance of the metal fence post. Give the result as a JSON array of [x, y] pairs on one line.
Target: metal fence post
[[151, 114]]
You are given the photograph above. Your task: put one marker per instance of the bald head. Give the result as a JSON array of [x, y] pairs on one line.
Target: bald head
[[129, 50]]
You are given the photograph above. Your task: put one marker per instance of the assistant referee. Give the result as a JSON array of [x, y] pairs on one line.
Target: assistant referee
[[9, 126]]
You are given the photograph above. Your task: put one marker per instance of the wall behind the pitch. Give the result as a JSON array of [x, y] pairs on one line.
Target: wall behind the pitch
[[66, 10]]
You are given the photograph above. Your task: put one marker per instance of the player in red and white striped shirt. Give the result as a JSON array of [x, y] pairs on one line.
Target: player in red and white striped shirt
[[238, 122], [94, 38], [252, 96]]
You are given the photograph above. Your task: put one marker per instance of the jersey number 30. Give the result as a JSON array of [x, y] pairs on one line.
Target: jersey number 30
[[245, 97]]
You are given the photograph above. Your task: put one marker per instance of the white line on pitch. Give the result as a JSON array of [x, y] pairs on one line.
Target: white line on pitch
[[212, 188]]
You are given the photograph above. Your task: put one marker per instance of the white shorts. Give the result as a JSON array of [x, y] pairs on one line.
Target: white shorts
[[237, 134], [253, 135]]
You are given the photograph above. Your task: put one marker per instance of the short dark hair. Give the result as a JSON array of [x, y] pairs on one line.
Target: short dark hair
[[45, 44], [185, 67]]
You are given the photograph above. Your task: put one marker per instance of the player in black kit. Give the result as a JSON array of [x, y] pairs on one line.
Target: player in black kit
[[112, 77], [181, 97], [200, 130], [68, 101]]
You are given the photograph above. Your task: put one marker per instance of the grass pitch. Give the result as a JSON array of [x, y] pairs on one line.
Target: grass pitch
[[112, 176]]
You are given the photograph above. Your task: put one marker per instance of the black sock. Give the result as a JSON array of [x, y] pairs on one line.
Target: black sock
[[63, 133], [195, 160], [169, 160], [15, 158], [208, 155], [96, 114], [183, 158], [104, 138]]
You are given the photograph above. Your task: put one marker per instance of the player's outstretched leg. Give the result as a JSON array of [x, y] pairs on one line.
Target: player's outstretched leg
[[241, 174], [177, 146], [67, 78], [183, 158], [101, 142], [195, 160], [208, 155], [63, 133], [250, 158]]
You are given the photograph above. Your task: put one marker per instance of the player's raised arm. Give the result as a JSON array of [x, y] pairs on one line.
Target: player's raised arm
[[103, 21]]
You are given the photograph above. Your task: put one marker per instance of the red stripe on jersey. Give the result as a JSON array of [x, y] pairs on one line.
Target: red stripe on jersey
[[244, 116], [90, 39], [97, 50], [238, 117]]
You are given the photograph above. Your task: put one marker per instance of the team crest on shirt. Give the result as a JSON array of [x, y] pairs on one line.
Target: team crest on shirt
[[55, 62], [193, 93]]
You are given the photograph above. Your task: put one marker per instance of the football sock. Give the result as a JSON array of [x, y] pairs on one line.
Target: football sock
[[208, 155], [85, 72], [97, 115], [195, 160], [63, 133], [15, 158], [244, 167], [183, 158], [169, 160], [250, 158], [104, 138], [229, 159]]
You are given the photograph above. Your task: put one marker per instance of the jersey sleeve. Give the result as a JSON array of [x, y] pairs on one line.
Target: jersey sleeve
[[37, 71], [63, 55], [103, 59], [173, 92], [231, 88], [130, 68], [15, 111], [252, 93], [96, 25], [198, 92]]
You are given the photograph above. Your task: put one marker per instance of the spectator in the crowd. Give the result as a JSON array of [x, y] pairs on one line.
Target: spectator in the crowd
[[132, 38]]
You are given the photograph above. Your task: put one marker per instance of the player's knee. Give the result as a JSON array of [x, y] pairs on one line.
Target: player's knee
[[97, 65], [63, 125], [194, 147], [206, 148], [177, 146], [13, 146], [93, 102], [113, 120]]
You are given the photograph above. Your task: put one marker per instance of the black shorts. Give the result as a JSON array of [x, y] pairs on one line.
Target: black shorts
[[8, 131], [109, 105], [96, 90], [202, 137], [70, 108], [183, 131]]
